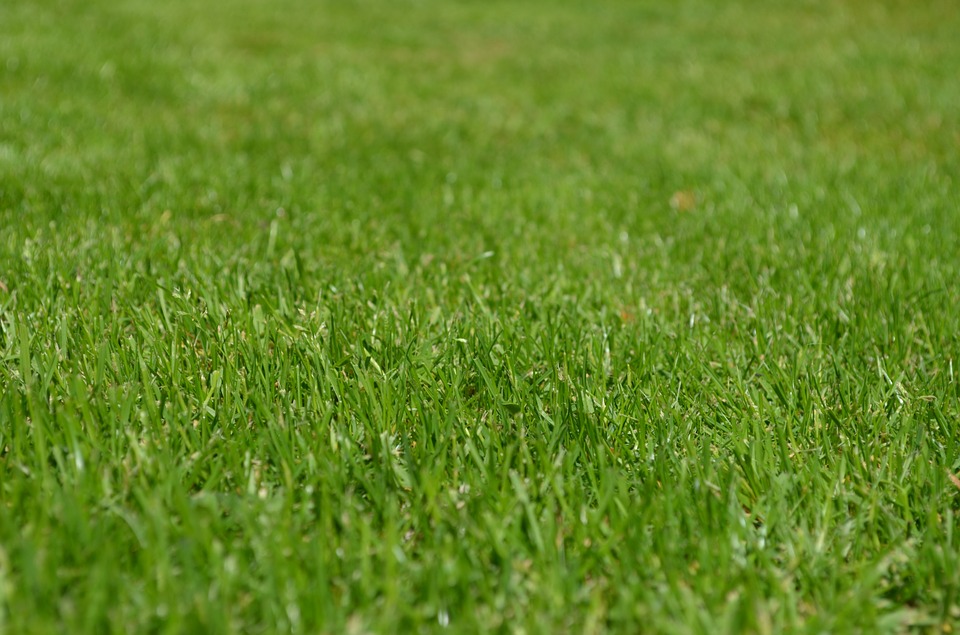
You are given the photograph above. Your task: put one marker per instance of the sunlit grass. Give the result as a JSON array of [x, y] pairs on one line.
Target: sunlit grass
[[543, 317]]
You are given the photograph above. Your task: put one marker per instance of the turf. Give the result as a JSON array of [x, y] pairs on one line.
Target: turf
[[479, 316]]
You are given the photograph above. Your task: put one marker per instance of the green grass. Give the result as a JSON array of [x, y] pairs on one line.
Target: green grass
[[322, 317]]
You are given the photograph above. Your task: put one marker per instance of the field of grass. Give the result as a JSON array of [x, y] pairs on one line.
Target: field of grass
[[546, 317]]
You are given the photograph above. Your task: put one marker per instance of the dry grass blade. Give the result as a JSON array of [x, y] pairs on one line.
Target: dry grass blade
[[954, 479]]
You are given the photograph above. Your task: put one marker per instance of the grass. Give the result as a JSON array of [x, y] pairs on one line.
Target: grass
[[468, 317]]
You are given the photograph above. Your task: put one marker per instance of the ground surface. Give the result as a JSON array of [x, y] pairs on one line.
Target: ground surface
[[545, 316]]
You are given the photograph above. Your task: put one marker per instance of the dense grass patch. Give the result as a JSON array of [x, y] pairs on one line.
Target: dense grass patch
[[470, 316]]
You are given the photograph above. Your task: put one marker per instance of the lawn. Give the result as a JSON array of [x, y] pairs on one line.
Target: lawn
[[455, 316]]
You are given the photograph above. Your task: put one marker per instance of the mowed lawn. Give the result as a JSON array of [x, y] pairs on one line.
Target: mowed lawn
[[461, 316]]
